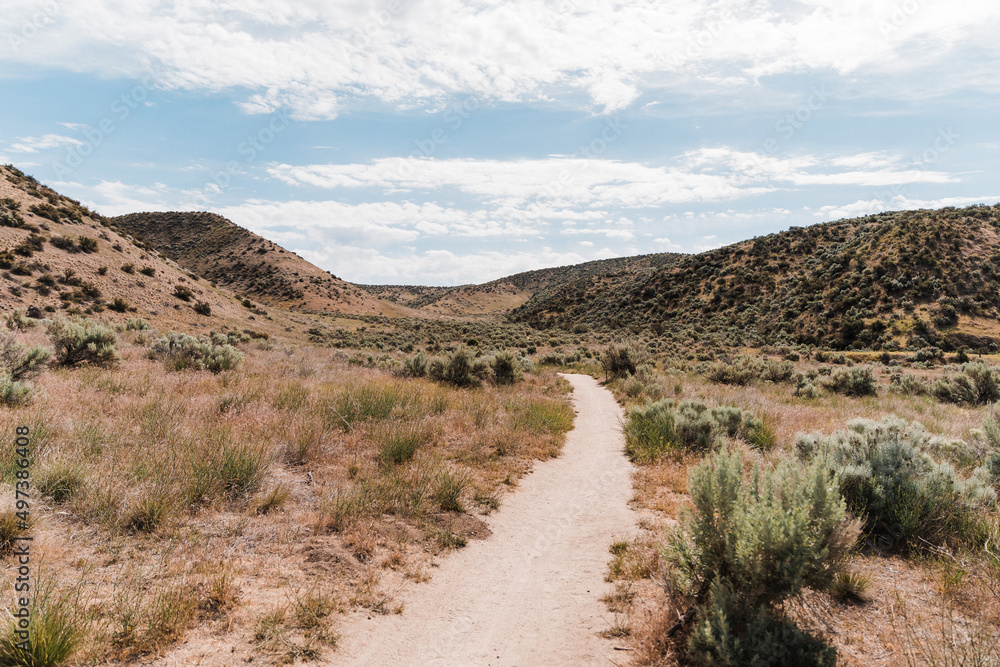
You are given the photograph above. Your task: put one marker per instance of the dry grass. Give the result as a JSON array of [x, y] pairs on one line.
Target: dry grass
[[194, 500]]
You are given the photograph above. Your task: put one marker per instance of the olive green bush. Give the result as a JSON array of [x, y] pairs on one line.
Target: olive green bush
[[180, 351], [891, 479], [656, 428], [746, 544], [83, 342]]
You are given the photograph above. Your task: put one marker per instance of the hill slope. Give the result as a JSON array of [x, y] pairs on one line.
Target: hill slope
[[57, 256], [248, 264], [514, 291], [911, 278]]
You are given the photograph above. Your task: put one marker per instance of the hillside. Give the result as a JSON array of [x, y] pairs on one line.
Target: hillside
[[896, 279], [58, 256], [249, 265], [513, 291]]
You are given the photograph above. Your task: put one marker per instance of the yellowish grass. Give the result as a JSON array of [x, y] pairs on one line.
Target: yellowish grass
[[180, 472]]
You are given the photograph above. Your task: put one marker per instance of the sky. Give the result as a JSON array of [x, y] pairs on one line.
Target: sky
[[445, 142]]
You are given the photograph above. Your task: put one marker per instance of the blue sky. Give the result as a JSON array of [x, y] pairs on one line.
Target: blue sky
[[456, 141]]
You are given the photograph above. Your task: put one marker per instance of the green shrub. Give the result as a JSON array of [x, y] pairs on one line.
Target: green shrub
[[19, 320], [890, 480], [749, 543], [618, 361], [979, 384], [506, 369], [21, 362], [180, 352], [459, 368], [183, 293], [857, 381], [742, 371], [908, 385], [655, 428], [13, 392], [83, 342], [136, 324], [416, 366]]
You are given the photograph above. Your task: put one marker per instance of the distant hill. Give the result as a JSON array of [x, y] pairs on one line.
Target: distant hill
[[912, 278], [505, 294], [58, 257], [249, 265]]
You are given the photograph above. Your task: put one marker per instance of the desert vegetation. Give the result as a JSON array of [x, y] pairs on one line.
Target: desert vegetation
[[792, 526], [335, 483]]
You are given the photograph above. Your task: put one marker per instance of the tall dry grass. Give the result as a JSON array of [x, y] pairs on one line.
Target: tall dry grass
[[293, 466]]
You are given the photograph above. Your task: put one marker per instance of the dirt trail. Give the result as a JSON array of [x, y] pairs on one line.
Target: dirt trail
[[528, 595]]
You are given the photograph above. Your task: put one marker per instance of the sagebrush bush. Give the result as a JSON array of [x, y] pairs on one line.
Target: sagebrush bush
[[21, 362], [742, 371], [505, 368], [857, 381], [416, 366], [19, 320], [655, 428], [459, 368], [180, 352], [748, 543], [83, 342], [619, 361], [891, 481], [979, 384]]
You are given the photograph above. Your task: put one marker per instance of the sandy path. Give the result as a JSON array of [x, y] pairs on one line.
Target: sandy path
[[528, 595]]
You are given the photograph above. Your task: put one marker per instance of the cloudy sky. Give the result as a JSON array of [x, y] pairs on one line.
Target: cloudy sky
[[456, 141]]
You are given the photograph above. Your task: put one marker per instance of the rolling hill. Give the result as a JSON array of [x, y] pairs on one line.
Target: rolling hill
[[58, 256], [911, 278], [514, 291], [251, 266]]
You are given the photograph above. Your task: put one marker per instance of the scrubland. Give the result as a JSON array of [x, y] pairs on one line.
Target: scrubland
[[221, 491], [815, 511]]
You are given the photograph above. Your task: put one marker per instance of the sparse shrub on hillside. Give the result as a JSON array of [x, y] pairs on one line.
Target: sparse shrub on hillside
[[742, 371], [619, 361], [656, 428], [889, 478], [180, 351], [19, 320], [857, 381], [183, 292], [979, 384], [203, 308], [83, 342], [747, 544], [21, 362], [459, 368], [120, 305], [136, 324], [87, 244], [505, 368], [128, 268], [148, 271]]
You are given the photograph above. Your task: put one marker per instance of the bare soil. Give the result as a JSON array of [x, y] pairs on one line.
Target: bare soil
[[530, 593]]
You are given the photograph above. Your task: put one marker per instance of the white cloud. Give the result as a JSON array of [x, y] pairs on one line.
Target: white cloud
[[863, 207], [437, 267], [45, 142], [315, 57]]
